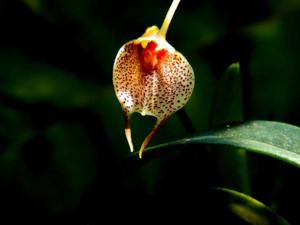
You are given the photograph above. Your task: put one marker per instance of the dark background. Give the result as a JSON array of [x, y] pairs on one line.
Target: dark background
[[62, 145]]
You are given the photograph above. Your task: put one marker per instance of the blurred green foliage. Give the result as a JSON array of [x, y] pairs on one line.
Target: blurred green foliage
[[62, 145]]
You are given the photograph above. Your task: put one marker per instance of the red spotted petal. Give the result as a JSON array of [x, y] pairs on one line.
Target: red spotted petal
[[153, 80]]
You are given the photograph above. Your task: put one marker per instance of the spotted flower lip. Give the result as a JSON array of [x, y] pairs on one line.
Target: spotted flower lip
[[152, 78]]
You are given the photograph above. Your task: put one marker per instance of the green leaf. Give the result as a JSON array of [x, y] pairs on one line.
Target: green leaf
[[227, 103], [274, 139], [228, 108], [246, 207], [36, 81], [34, 5]]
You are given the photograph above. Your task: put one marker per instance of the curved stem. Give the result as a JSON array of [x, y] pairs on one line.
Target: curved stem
[[164, 27], [150, 136]]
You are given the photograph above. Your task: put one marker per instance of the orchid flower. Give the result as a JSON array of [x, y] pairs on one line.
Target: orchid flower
[[152, 78]]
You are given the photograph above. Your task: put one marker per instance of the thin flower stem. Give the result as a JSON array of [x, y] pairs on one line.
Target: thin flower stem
[[150, 136], [164, 28]]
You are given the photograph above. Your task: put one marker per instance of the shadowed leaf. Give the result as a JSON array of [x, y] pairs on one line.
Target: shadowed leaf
[[247, 207], [274, 139]]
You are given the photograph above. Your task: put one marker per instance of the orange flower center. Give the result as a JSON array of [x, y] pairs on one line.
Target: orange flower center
[[149, 56]]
